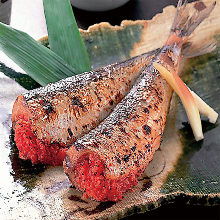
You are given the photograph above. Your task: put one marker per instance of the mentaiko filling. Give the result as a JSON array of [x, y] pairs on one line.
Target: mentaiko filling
[[30, 147], [90, 178]]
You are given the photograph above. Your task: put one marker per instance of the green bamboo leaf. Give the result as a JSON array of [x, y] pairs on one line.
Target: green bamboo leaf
[[64, 36], [39, 62]]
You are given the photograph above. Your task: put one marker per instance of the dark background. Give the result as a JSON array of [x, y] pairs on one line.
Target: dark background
[[133, 10]]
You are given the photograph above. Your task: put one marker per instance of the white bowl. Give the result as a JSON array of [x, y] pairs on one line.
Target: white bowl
[[98, 5]]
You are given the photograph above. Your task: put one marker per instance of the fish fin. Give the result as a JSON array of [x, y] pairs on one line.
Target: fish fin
[[190, 50], [186, 21]]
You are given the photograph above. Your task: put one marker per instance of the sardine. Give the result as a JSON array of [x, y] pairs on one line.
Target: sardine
[[106, 162], [47, 120]]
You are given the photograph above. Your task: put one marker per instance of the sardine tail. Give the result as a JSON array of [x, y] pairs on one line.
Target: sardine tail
[[193, 50], [186, 21]]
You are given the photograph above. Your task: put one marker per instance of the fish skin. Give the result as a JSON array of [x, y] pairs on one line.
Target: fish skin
[[127, 139], [63, 111]]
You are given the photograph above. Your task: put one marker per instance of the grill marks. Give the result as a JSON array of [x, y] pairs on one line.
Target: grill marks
[[118, 96], [147, 129], [70, 132], [118, 160], [126, 140], [130, 131], [111, 102], [122, 130], [97, 96], [148, 147], [48, 107], [133, 148], [126, 157], [146, 110], [77, 102]]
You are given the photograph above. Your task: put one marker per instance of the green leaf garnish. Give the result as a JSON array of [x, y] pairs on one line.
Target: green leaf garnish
[[39, 62], [64, 36]]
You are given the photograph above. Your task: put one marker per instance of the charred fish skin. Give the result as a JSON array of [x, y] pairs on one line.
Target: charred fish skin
[[61, 112], [127, 139], [80, 103], [124, 143]]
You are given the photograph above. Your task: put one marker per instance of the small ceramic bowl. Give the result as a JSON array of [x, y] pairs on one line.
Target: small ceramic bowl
[[98, 5]]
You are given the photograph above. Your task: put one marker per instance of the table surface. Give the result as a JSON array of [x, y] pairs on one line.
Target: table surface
[[28, 16]]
